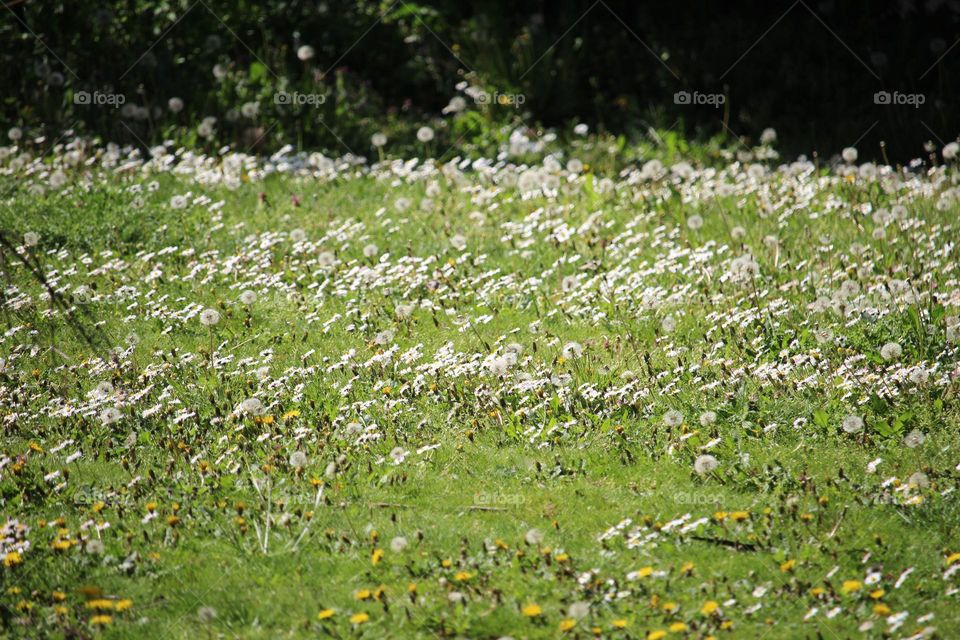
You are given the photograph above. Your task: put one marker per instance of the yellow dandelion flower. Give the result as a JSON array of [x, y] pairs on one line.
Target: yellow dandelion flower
[[851, 586], [619, 623], [739, 516], [657, 635], [953, 557], [100, 604], [446, 564], [377, 556], [877, 594], [687, 568], [881, 609], [709, 607], [359, 618], [787, 566], [462, 576], [123, 605], [532, 610], [567, 624], [101, 620], [644, 572], [12, 559], [325, 614], [362, 594], [678, 627], [59, 596]]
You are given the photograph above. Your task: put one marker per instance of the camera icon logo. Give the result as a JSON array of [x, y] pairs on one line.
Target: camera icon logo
[[81, 97], [881, 97], [681, 97], [281, 97]]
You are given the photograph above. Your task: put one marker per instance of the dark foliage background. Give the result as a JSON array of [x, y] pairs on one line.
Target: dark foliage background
[[810, 69]]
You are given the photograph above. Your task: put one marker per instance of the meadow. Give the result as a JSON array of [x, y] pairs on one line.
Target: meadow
[[710, 395]]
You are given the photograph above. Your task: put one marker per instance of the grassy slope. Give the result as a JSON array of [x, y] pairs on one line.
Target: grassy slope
[[485, 481]]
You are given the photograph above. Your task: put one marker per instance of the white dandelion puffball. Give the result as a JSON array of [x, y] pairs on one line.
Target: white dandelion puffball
[[378, 139], [707, 418], [891, 351], [175, 105], [248, 297], [705, 464], [581, 129], [459, 242], [852, 424], [673, 418], [398, 544], [298, 235], [919, 480], [298, 459], [15, 134], [738, 233], [579, 610], [95, 547], [384, 337], [569, 283], [31, 239], [404, 311], [914, 439], [694, 222], [499, 366], [326, 259], [769, 136], [110, 415], [849, 155], [206, 615], [209, 317], [252, 406], [951, 150], [425, 134], [668, 324], [305, 52], [533, 536], [572, 350]]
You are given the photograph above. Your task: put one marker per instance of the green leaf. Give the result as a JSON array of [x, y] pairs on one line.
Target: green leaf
[[258, 72]]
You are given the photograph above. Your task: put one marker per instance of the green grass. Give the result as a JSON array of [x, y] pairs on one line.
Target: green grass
[[507, 487]]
